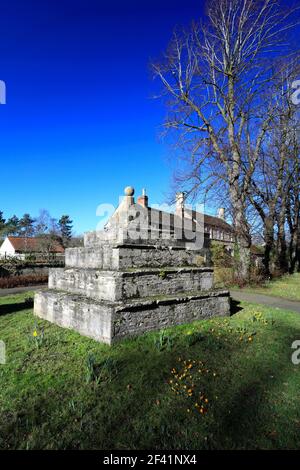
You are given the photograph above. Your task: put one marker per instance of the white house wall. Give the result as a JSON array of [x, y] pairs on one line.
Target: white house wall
[[6, 249]]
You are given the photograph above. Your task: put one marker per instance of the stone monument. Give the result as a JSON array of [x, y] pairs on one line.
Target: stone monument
[[136, 275]]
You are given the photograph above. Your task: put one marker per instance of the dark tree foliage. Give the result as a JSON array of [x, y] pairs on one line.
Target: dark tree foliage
[[65, 226], [26, 225]]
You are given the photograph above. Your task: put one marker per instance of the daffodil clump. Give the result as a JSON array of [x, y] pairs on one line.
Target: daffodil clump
[[246, 333], [37, 337], [187, 381], [259, 317]]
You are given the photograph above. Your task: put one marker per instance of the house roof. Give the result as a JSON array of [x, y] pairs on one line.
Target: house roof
[[190, 214], [33, 244], [210, 220], [217, 222]]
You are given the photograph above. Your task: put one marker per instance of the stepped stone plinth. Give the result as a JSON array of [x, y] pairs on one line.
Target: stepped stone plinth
[[131, 278]]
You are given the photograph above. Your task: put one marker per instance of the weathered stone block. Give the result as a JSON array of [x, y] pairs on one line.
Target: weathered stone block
[[110, 321], [121, 284], [101, 257], [118, 285], [88, 317], [136, 318], [131, 237], [120, 257]]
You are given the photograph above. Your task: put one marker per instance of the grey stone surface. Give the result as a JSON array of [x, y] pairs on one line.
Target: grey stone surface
[[127, 236], [158, 236], [100, 257], [111, 321], [117, 285], [89, 318], [160, 256], [120, 257], [121, 284], [157, 314]]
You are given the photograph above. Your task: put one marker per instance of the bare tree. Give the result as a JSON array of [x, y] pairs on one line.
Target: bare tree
[[293, 211], [47, 232], [215, 77], [274, 175]]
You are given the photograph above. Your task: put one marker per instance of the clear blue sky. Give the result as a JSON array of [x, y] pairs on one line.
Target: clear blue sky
[[79, 122]]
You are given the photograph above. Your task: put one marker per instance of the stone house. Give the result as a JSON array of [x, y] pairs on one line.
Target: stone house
[[215, 227]]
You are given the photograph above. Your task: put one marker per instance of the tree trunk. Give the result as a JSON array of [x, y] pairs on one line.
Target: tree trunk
[[282, 261], [269, 243], [242, 236], [293, 219], [294, 252]]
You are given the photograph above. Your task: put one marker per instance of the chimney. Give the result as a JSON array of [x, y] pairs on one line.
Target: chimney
[[180, 204], [143, 199], [221, 213]]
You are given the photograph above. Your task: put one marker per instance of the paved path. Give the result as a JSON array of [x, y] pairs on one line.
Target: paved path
[[285, 304], [18, 290]]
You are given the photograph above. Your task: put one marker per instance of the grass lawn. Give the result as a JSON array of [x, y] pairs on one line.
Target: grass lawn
[[287, 287], [216, 384]]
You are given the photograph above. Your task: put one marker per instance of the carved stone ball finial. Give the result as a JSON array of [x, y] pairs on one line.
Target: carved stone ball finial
[[129, 191]]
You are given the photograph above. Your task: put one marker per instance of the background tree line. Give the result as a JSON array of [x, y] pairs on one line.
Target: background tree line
[[44, 226], [227, 83]]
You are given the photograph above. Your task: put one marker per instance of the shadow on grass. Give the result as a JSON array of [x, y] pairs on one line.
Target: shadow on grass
[[137, 409], [255, 414], [251, 410], [234, 306], [17, 307]]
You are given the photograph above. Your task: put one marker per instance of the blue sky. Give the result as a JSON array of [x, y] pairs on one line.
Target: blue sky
[[80, 123]]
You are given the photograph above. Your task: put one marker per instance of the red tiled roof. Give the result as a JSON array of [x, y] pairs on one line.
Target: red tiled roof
[[33, 244]]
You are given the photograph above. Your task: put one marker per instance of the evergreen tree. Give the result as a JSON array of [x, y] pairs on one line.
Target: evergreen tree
[[65, 225], [26, 226], [12, 226], [2, 220], [2, 224]]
